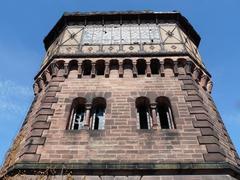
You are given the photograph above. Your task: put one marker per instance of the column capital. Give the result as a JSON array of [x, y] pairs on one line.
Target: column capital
[[153, 105], [88, 106]]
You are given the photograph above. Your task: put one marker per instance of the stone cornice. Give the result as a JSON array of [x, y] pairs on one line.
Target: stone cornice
[[112, 168]]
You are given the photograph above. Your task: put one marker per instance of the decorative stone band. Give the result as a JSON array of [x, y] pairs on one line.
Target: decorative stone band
[[139, 66], [40, 122], [124, 169]]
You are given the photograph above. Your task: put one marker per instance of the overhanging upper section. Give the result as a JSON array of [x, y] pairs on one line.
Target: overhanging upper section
[[126, 17]]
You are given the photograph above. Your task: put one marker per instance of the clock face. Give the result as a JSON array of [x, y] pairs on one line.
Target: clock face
[[122, 34]]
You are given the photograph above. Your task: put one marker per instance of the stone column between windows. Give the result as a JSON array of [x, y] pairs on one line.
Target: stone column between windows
[[79, 70], [87, 117], [153, 107], [65, 69], [162, 68], [120, 71], [134, 69], [106, 72], [148, 69], [93, 73]]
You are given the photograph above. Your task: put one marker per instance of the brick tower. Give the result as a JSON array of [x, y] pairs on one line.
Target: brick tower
[[122, 95]]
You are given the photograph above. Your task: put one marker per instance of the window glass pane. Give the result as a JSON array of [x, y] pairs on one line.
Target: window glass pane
[[99, 119], [121, 34], [87, 36], [135, 36], [125, 35], [97, 35], [116, 35]]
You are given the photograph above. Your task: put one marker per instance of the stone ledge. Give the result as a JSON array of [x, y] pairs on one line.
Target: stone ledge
[[45, 112], [111, 168], [208, 140], [202, 124], [214, 148], [36, 141], [214, 157], [208, 132], [41, 125]]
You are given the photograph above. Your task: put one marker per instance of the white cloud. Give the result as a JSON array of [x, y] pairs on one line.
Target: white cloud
[[12, 97]]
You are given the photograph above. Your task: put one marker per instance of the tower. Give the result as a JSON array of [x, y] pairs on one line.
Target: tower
[[122, 95]]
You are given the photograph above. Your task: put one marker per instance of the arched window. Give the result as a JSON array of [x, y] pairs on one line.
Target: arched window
[[155, 65], [144, 119], [164, 113], [77, 117], [100, 67], [73, 68], [86, 67], [141, 66], [98, 113]]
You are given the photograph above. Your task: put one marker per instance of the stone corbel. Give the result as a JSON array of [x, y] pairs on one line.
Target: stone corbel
[[175, 68], [188, 67], [209, 86], [54, 69], [35, 88], [162, 68], [196, 74], [66, 71], [203, 81], [40, 83], [47, 75]]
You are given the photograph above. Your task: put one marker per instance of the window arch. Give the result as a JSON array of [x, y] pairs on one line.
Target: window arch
[[86, 67], [143, 115], [155, 66], [98, 113], [141, 66], [164, 113], [73, 68], [77, 116], [100, 67]]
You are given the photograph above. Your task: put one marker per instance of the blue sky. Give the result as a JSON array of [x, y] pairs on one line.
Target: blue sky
[[25, 23]]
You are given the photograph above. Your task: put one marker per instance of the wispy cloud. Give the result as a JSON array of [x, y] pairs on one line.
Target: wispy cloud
[[12, 95]]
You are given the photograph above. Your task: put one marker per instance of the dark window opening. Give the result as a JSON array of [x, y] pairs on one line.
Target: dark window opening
[[114, 65], [165, 115], [73, 66], [143, 117], [155, 65], [100, 67], [87, 68], [141, 67], [127, 64]]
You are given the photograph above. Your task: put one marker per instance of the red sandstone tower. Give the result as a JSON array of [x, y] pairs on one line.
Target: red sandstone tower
[[122, 95]]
